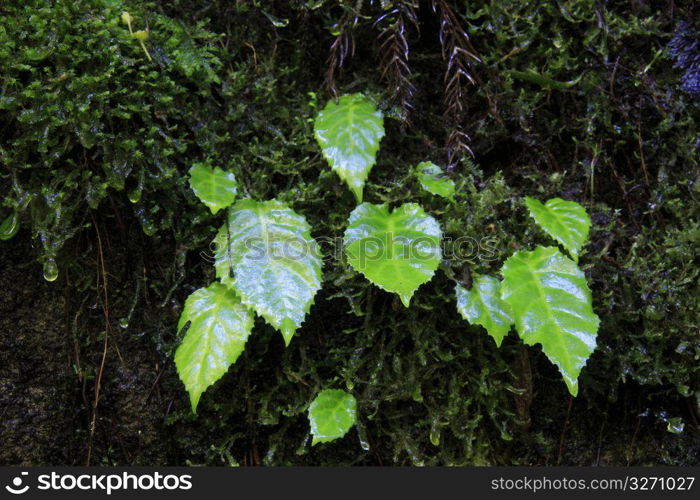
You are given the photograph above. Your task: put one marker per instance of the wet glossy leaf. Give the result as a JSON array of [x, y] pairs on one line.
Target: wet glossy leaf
[[10, 226], [219, 327], [482, 305], [331, 415], [349, 133], [397, 251], [434, 180], [551, 305], [565, 221], [216, 188], [269, 257]]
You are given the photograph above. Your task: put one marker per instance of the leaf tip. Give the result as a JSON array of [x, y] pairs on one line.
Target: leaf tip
[[194, 400], [287, 328], [572, 385], [357, 191]]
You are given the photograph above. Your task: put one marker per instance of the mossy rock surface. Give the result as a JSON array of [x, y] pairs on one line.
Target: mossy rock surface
[[95, 144]]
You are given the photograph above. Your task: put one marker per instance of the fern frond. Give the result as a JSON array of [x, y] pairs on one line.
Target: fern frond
[[459, 55], [343, 46], [394, 52]]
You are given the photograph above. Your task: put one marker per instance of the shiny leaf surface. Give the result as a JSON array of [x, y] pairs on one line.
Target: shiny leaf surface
[[434, 180], [565, 221], [215, 187], [397, 251], [349, 133], [331, 415], [482, 305], [267, 255], [551, 305], [219, 327]]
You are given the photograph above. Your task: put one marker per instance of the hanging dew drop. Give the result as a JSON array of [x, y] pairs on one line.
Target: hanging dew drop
[[362, 434], [9, 227], [135, 195], [675, 425], [314, 4], [124, 323], [276, 21], [435, 432], [335, 30], [50, 270]]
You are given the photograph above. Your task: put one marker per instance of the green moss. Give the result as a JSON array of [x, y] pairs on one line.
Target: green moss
[[94, 136]]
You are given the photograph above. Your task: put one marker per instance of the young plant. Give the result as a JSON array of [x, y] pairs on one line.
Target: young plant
[[268, 264], [267, 256], [349, 133], [397, 251], [434, 180], [331, 415], [219, 325], [214, 187], [543, 293]]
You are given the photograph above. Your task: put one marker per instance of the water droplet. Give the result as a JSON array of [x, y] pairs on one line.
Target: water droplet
[[362, 434], [413, 454], [675, 425], [146, 224], [135, 195], [276, 21], [9, 226], [435, 432], [335, 30], [314, 4], [124, 322], [50, 270]]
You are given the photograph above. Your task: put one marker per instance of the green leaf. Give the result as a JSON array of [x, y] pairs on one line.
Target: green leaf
[[482, 305], [552, 305], [349, 133], [219, 327], [10, 226], [216, 188], [434, 180], [269, 257], [397, 251], [565, 221], [331, 415]]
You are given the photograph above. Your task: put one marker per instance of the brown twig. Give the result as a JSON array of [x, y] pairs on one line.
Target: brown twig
[[101, 273], [459, 54], [641, 152], [633, 442], [563, 431], [343, 46], [394, 52]]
